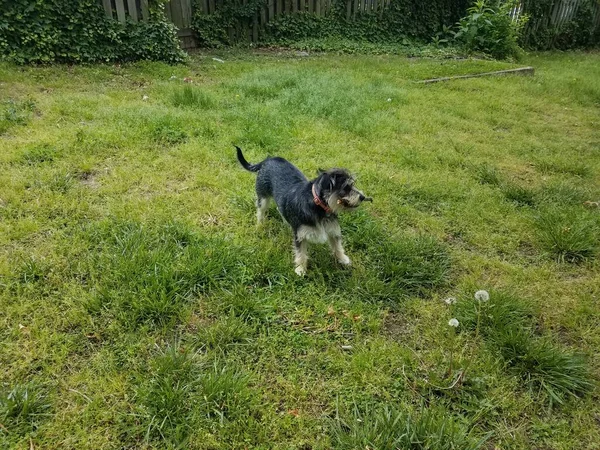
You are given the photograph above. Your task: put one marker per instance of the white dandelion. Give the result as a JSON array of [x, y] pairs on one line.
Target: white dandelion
[[453, 323], [450, 301], [482, 296]]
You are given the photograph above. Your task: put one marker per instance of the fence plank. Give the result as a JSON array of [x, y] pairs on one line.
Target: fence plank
[[107, 8], [318, 7], [176, 13], [309, 3], [186, 13], [356, 5], [348, 9], [120, 10], [132, 9], [145, 12], [375, 4], [255, 28], [294, 6], [211, 6], [271, 9]]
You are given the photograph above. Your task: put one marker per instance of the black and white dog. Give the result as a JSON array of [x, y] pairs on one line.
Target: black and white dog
[[310, 207]]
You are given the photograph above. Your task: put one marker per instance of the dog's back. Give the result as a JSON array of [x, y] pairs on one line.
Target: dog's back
[[274, 175]]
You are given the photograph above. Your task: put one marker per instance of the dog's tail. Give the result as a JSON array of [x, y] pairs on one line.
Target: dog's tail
[[245, 164]]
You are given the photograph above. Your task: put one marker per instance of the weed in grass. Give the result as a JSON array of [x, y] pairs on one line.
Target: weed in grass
[[487, 174], [501, 312], [411, 265], [61, 183], [518, 194], [401, 265], [22, 408], [32, 270], [562, 166], [146, 275], [389, 428], [564, 194], [543, 365], [168, 132], [191, 97], [169, 397], [569, 234], [226, 332], [267, 85], [39, 153], [15, 113], [226, 393]]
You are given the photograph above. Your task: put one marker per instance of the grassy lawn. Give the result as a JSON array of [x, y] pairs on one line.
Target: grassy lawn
[[140, 307]]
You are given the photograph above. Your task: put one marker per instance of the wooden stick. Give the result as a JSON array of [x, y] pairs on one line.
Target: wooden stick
[[520, 71]]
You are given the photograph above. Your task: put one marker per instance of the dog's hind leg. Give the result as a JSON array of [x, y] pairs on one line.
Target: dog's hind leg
[[300, 255], [262, 205]]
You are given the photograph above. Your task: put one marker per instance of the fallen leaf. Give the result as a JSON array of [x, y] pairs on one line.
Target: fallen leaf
[[330, 310]]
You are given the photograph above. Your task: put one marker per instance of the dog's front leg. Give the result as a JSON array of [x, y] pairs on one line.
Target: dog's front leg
[[300, 255], [335, 242]]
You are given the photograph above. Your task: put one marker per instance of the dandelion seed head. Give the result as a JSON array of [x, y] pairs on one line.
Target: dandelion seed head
[[482, 296], [453, 323], [450, 301]]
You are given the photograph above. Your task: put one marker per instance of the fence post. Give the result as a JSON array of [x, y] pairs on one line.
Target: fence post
[[132, 8], [145, 12], [120, 10], [107, 7]]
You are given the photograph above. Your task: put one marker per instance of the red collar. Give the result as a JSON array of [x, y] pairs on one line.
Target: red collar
[[320, 202]]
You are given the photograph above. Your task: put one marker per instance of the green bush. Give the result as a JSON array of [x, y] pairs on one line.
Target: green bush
[[46, 31], [490, 29]]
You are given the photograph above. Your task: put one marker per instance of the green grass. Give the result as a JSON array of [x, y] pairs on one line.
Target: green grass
[[142, 307]]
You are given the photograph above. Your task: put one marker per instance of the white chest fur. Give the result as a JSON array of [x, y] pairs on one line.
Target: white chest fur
[[319, 233]]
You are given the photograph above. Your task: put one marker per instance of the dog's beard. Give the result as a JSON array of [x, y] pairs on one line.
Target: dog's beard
[[338, 203]]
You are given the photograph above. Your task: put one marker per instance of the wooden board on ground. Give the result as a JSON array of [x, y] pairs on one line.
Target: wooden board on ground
[[520, 71]]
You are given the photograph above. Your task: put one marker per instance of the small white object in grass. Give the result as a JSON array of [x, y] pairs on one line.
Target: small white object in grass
[[482, 296], [145, 98], [389, 99], [450, 301], [173, 77], [218, 60], [346, 347], [453, 323]]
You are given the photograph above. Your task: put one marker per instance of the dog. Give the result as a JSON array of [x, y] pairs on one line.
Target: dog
[[311, 208]]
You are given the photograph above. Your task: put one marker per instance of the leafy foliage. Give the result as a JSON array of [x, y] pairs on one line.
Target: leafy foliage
[[404, 19], [490, 29], [78, 31], [581, 31]]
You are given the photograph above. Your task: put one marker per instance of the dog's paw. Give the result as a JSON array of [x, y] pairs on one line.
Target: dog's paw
[[344, 260], [300, 271]]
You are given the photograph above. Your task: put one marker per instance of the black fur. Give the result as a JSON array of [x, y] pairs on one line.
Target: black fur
[[293, 193], [279, 179]]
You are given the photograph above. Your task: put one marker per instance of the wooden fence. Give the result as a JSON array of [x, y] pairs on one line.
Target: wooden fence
[[556, 14], [123, 9], [180, 12]]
